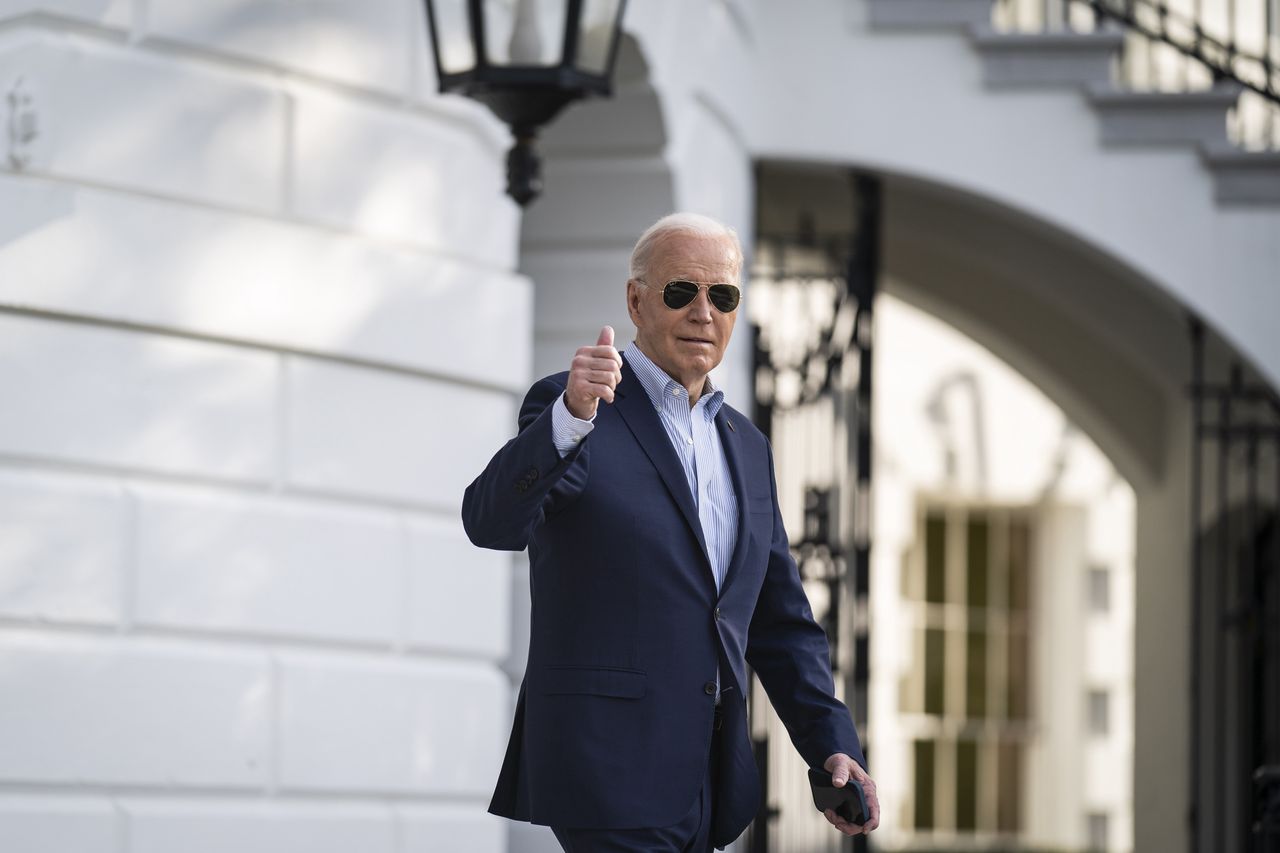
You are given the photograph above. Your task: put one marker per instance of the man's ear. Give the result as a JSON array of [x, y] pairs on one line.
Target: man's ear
[[633, 301]]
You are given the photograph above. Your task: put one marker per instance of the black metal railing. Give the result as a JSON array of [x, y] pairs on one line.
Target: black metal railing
[[1266, 824], [1235, 610], [1180, 46], [812, 384]]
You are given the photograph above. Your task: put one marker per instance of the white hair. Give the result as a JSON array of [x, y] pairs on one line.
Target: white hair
[[680, 223]]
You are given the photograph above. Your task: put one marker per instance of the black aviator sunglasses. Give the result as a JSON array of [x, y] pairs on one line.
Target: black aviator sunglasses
[[679, 293]]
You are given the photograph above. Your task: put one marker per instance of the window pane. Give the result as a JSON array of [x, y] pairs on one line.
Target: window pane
[[453, 34], [935, 670], [1017, 697], [911, 694], [924, 758], [976, 559], [1019, 563], [1009, 807], [595, 35], [935, 557], [966, 785], [523, 32], [976, 674]]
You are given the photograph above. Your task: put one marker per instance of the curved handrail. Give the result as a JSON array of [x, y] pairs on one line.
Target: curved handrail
[[1188, 37]]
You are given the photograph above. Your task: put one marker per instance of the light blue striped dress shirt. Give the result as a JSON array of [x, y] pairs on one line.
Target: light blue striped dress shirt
[[693, 434]]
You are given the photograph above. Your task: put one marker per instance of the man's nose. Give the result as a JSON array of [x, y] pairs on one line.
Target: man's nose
[[700, 308]]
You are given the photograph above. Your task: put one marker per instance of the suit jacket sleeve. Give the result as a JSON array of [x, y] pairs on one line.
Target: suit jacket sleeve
[[789, 652], [527, 480]]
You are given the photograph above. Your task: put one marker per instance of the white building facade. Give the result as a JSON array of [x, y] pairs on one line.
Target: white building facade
[[266, 312]]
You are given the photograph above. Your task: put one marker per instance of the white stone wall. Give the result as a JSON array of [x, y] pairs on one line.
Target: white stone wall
[[259, 326], [249, 263]]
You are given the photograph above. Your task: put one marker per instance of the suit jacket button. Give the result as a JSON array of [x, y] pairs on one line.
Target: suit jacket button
[[709, 688], [717, 614]]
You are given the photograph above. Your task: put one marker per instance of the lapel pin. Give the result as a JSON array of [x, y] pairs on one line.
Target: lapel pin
[[729, 423]]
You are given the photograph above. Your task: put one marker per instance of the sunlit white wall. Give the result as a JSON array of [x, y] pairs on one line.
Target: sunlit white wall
[[259, 326]]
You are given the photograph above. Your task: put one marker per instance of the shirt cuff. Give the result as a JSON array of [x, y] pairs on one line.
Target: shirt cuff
[[566, 430]]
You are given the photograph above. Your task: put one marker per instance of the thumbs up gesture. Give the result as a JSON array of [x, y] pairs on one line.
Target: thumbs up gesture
[[593, 374]]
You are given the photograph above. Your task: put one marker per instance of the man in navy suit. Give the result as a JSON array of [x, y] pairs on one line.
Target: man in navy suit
[[658, 569]]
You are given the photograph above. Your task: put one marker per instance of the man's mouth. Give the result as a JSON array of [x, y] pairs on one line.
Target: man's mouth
[[697, 341]]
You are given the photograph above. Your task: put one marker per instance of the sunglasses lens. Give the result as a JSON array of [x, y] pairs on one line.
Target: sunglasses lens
[[678, 294], [723, 296]]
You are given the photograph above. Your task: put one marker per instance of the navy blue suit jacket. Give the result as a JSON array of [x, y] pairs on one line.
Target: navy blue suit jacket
[[613, 722]]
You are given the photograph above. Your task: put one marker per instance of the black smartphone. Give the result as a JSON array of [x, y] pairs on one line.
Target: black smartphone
[[848, 802]]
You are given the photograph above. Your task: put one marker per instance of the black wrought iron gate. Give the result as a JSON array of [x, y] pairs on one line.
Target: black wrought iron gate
[[812, 293], [1235, 676]]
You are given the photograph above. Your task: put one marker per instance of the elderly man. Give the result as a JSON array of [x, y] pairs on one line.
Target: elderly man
[[659, 569]]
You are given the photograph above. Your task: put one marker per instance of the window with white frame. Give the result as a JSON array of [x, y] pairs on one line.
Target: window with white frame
[[966, 591]]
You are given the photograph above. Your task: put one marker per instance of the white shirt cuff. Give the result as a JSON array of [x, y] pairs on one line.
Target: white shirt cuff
[[566, 430]]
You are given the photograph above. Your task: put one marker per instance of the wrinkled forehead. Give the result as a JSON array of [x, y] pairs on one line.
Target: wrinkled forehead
[[696, 257]]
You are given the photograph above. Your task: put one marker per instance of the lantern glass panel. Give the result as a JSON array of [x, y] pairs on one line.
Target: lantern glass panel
[[524, 32], [456, 51], [595, 35]]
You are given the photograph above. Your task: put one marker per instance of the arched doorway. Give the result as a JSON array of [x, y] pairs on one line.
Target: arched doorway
[[1116, 354]]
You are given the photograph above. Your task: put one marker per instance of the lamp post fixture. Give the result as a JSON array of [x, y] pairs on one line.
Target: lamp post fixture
[[495, 52]]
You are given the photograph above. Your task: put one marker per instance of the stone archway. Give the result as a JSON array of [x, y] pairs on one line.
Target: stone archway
[[1111, 349]]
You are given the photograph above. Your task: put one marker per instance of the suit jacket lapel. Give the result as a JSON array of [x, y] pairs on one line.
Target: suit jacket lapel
[[730, 441], [637, 411]]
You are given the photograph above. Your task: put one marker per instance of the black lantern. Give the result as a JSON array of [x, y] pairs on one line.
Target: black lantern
[[526, 60]]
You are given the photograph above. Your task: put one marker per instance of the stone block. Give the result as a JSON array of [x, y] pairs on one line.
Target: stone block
[[138, 401], [397, 175], [428, 829], [928, 14], [421, 727], [164, 826], [232, 564], [459, 594], [1243, 177], [111, 13], [1163, 118], [107, 116], [163, 264], [363, 44], [359, 431], [1046, 59], [113, 711], [40, 824], [63, 546]]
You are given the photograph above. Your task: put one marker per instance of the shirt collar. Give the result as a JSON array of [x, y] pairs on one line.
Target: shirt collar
[[660, 386]]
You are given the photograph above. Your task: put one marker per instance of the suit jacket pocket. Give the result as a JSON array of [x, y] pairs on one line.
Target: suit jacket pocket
[[598, 681]]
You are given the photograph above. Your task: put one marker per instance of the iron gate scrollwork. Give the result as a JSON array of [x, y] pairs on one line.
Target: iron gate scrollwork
[[812, 299]]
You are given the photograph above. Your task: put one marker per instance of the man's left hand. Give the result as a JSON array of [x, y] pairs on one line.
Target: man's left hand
[[843, 769]]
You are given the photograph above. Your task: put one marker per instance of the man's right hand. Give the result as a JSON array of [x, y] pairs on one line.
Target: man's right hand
[[593, 374]]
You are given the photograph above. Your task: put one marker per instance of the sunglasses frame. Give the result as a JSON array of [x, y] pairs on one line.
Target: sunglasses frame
[[736, 289]]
